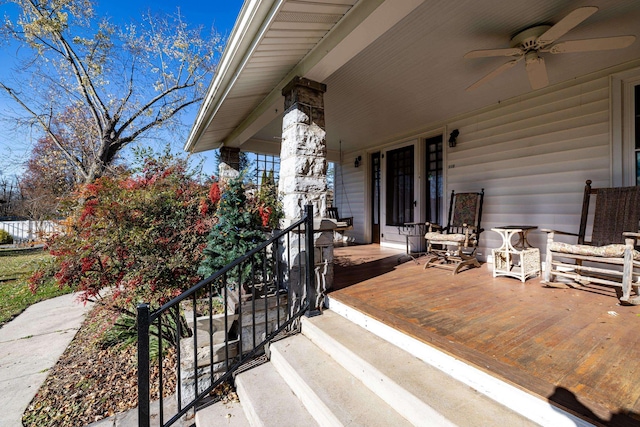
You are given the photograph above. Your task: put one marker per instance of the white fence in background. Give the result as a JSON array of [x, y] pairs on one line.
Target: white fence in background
[[30, 230]]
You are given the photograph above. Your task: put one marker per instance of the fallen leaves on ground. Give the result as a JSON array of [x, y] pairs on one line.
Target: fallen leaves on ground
[[90, 383]]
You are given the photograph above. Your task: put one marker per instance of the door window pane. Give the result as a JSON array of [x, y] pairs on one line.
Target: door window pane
[[434, 177], [400, 196], [375, 176]]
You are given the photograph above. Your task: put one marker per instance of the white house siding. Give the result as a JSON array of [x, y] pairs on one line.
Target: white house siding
[[350, 191], [533, 157]]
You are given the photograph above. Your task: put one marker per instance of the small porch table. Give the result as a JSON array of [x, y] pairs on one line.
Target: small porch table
[[411, 230], [519, 260]]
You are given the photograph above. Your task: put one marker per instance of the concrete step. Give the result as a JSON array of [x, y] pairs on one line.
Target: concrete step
[[331, 394], [423, 394], [265, 400], [268, 400], [227, 414]]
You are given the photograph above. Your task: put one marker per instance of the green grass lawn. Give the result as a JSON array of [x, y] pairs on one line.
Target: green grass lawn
[[15, 269]]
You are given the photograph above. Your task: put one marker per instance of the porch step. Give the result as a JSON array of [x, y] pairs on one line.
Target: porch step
[[268, 400], [333, 395], [303, 386], [337, 373], [423, 394]]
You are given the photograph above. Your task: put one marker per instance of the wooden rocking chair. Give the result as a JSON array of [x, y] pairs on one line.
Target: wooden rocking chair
[[454, 246], [610, 254]]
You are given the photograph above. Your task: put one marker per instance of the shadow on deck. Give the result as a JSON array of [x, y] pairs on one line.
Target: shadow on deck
[[578, 348]]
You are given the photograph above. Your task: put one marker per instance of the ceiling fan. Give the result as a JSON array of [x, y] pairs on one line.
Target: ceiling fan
[[529, 43]]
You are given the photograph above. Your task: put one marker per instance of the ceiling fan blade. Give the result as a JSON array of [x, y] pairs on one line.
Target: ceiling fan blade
[[485, 53], [501, 69], [537, 72], [566, 24], [604, 43]]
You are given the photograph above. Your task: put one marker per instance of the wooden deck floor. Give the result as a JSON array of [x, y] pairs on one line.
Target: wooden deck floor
[[576, 347]]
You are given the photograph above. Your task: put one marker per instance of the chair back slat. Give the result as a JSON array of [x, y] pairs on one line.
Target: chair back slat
[[332, 213], [617, 210]]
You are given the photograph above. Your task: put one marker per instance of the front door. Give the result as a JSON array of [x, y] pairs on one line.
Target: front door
[[400, 196]]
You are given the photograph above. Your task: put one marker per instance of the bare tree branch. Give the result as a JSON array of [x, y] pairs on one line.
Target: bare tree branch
[[47, 128], [121, 83]]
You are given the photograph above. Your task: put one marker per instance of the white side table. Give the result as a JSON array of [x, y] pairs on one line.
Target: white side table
[[519, 260]]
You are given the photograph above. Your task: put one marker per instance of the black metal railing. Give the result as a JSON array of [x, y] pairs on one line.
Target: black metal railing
[[224, 321]]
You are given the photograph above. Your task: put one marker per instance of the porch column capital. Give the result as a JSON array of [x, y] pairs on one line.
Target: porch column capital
[[302, 82], [307, 97], [229, 166]]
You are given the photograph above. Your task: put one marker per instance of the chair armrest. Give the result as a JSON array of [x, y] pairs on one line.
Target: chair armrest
[[631, 238], [431, 226]]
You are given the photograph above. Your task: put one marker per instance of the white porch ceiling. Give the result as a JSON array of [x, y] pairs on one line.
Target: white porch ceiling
[[410, 78]]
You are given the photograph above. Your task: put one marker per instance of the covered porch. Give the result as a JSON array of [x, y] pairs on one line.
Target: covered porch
[[385, 89], [575, 347]]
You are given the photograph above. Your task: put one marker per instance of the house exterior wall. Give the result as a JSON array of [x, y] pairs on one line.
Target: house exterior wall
[[351, 196], [532, 156]]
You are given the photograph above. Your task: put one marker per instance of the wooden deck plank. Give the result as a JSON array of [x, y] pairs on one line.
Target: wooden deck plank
[[576, 347]]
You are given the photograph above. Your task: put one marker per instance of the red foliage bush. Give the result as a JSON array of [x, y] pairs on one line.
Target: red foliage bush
[[137, 238]]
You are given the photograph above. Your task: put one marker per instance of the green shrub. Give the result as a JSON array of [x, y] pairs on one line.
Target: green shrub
[[5, 238], [124, 332], [238, 230]]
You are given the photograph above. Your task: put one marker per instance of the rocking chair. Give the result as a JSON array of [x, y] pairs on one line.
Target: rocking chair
[[454, 246], [611, 254]]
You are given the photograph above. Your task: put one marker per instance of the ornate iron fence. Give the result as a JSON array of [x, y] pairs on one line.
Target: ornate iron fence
[[223, 322]]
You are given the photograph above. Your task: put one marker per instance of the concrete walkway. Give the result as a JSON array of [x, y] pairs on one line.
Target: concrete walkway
[[30, 345]]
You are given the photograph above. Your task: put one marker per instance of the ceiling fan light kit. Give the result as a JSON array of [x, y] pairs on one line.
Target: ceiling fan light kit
[[527, 40], [529, 43]]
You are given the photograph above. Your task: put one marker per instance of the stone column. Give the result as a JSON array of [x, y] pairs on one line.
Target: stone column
[[229, 166], [303, 173], [303, 162]]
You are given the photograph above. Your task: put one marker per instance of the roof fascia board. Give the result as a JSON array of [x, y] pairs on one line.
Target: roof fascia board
[[253, 21], [363, 23]]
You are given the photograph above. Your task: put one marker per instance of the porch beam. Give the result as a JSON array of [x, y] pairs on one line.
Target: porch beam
[[362, 25]]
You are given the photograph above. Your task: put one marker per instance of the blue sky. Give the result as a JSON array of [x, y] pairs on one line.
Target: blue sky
[[221, 14]]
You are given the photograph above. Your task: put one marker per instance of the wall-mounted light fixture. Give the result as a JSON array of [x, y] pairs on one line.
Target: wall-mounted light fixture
[[452, 137], [357, 161]]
